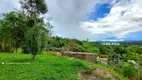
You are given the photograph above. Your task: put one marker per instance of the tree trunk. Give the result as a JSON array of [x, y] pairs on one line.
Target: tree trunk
[[1, 47], [138, 67], [131, 78], [16, 50], [34, 57]]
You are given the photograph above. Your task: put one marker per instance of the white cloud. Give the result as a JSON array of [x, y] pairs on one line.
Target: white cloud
[[66, 16], [117, 24]]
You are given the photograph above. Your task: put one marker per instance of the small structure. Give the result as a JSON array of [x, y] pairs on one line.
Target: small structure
[[81, 55], [102, 60], [133, 62]]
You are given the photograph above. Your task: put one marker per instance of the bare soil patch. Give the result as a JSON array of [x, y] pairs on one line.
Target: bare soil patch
[[97, 74]]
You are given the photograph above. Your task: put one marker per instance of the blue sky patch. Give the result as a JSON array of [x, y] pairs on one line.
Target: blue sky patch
[[100, 11], [110, 38], [134, 36], [129, 37]]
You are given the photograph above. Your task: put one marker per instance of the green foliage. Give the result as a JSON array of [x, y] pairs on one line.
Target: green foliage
[[130, 57], [87, 47], [71, 46], [128, 70], [51, 53], [139, 50], [140, 74], [35, 40], [105, 50], [113, 59], [33, 9], [25, 28], [12, 29], [43, 52]]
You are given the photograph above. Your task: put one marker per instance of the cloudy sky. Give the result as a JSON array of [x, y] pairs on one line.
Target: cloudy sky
[[97, 20]]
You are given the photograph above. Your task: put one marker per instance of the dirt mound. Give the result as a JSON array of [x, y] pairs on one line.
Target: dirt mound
[[97, 74]]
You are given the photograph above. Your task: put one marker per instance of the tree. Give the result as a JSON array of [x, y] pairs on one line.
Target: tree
[[121, 51], [71, 46], [105, 49], [113, 59], [12, 30], [34, 9], [17, 27]]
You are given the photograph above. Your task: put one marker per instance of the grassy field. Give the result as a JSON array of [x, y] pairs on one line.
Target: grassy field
[[44, 67]]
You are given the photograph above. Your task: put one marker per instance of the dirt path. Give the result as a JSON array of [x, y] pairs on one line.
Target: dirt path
[[97, 74]]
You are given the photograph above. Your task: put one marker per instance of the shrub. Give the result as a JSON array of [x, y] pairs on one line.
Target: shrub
[[128, 70], [51, 53], [43, 52]]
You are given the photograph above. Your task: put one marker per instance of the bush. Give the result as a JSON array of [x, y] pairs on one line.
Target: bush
[[43, 52], [8, 48], [128, 70], [51, 53]]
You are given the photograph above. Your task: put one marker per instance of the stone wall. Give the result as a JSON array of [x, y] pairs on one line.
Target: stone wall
[[84, 56]]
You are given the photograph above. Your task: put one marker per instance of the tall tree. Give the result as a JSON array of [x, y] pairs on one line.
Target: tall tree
[[34, 10]]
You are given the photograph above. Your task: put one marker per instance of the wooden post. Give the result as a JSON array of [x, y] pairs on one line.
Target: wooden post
[[138, 67]]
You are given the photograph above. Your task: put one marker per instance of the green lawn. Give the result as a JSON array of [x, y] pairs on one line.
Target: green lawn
[[44, 67]]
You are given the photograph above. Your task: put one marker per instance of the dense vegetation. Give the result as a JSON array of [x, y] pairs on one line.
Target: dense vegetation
[[25, 31], [25, 28], [118, 56]]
